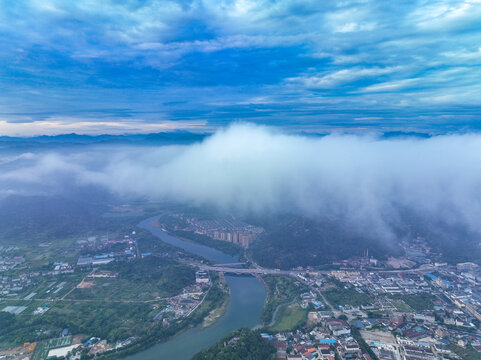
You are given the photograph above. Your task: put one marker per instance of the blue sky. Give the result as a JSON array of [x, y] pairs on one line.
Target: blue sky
[[91, 66]]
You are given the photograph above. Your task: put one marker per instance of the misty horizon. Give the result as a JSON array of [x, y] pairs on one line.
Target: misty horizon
[[362, 180]]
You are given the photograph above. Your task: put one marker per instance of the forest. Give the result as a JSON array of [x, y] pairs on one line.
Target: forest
[[242, 344]]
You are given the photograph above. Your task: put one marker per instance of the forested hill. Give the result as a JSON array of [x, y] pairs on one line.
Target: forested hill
[[23, 217], [299, 241], [243, 344], [291, 241]]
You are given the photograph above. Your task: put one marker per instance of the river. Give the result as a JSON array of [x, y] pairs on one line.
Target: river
[[247, 295]]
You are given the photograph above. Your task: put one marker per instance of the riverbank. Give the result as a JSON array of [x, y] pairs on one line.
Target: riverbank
[[243, 309], [217, 313], [215, 298], [245, 300]]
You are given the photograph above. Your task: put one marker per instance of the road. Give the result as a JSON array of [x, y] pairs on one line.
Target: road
[[261, 271], [85, 300], [266, 271]]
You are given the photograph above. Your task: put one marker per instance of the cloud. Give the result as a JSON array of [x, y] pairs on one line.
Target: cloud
[[59, 57], [448, 15], [365, 180], [339, 77]]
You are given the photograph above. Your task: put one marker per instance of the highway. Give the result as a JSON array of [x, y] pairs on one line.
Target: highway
[[265, 271], [261, 271]]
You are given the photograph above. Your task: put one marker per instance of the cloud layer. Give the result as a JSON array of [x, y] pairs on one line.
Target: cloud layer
[[362, 179], [355, 63]]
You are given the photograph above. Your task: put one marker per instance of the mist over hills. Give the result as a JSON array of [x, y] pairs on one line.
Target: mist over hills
[[349, 191], [174, 137], [162, 138]]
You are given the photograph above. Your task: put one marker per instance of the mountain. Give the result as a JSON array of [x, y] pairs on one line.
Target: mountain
[[165, 138]]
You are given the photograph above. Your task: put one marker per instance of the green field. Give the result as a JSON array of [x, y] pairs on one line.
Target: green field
[[289, 317], [338, 294], [119, 289], [401, 305], [280, 290], [468, 352], [417, 302], [144, 279]]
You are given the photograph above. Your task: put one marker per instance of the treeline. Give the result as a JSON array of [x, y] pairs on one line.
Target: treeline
[[356, 334], [242, 344], [224, 246]]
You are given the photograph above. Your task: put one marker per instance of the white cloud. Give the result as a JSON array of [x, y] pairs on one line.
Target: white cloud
[[95, 46], [329, 80], [353, 26], [248, 168], [446, 15]]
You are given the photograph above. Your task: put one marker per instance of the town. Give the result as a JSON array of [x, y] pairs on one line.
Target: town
[[407, 315], [225, 229], [406, 308]]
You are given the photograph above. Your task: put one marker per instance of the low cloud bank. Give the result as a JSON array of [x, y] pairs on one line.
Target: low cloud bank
[[365, 180]]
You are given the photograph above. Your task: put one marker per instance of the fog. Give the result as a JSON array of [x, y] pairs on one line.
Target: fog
[[252, 169]]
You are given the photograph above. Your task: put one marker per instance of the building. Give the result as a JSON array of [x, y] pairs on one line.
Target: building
[[202, 277]]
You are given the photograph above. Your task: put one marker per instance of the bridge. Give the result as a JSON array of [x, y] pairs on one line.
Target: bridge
[[230, 264], [247, 271], [264, 271]]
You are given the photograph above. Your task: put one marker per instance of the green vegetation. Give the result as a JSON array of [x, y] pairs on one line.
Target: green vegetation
[[289, 317], [143, 279], [224, 246], [8, 327], [33, 219], [107, 320], [98, 310], [148, 242], [42, 348], [111, 321], [291, 241], [356, 334], [339, 295], [45, 230], [466, 353], [401, 305], [417, 302], [159, 333], [100, 313], [218, 311], [280, 290], [243, 344]]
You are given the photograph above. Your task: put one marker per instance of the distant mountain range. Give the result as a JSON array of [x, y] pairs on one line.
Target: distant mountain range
[[164, 138], [178, 137]]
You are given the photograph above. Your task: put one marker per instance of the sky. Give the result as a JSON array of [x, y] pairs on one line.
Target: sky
[[130, 66]]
